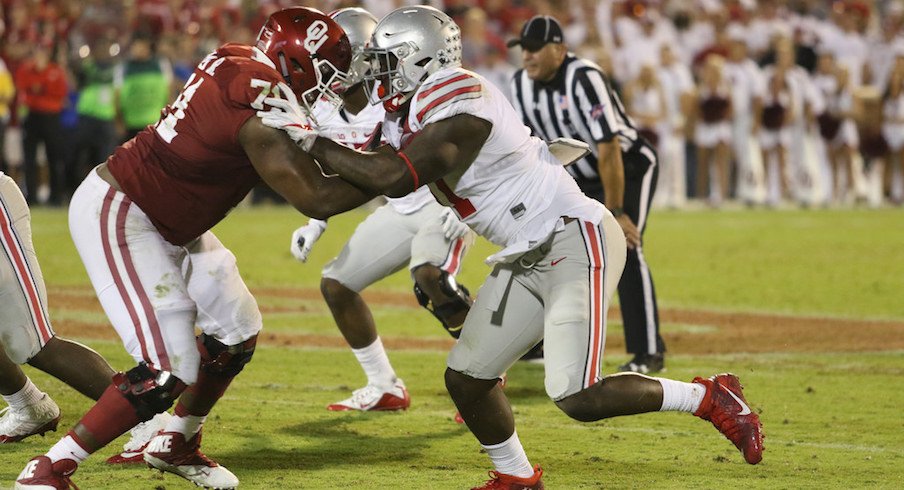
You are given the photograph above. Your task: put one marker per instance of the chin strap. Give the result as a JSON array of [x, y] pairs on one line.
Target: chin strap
[[393, 104]]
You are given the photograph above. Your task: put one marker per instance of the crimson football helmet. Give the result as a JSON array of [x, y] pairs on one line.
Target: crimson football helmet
[[310, 51]]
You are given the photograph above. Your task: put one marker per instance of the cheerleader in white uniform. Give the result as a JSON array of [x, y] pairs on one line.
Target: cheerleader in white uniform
[[836, 123], [712, 133], [775, 130]]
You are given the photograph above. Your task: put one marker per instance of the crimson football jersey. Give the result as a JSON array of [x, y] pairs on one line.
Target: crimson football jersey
[[188, 171]]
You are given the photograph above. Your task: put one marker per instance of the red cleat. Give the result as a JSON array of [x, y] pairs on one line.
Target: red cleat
[[375, 399], [141, 435], [169, 451], [724, 405], [501, 481], [41, 474]]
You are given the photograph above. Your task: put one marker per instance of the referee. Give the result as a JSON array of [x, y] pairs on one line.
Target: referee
[[561, 95]]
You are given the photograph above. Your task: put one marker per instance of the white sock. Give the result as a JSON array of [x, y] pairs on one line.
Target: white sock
[[67, 448], [28, 395], [376, 364], [509, 458], [680, 396], [188, 426]]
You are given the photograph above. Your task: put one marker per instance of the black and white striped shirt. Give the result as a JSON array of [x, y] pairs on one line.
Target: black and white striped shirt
[[578, 103]]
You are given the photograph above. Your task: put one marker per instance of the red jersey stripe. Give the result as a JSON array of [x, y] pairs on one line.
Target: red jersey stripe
[[426, 93], [26, 281], [447, 98]]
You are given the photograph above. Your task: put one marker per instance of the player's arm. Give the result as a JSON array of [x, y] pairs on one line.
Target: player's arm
[[433, 153], [294, 174]]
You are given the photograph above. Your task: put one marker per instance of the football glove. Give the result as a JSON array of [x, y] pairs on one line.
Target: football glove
[[303, 239], [453, 228], [287, 115]]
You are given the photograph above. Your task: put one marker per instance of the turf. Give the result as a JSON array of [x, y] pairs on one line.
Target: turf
[[832, 420]]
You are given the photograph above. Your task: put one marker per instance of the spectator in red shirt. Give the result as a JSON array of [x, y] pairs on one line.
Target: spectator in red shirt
[[41, 86]]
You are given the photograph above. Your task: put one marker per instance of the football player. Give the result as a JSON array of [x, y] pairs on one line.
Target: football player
[[141, 222], [562, 253]]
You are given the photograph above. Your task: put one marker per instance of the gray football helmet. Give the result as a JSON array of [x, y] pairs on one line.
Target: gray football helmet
[[408, 45], [358, 25]]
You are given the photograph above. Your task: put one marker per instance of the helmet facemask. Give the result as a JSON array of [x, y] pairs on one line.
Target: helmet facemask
[[331, 84], [387, 71]]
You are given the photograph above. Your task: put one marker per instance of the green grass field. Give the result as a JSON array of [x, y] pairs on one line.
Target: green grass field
[[832, 419]]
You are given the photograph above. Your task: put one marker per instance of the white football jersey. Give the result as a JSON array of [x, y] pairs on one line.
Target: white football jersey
[[356, 131], [515, 191]]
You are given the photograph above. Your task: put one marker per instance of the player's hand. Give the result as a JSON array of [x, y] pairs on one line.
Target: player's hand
[[303, 239], [453, 228], [287, 115], [632, 234]]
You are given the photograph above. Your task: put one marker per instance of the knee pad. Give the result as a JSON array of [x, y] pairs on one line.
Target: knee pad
[[150, 391], [459, 301], [224, 360]]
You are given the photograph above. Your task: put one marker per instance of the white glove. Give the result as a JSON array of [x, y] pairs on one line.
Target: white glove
[[303, 239], [287, 115], [568, 150], [453, 228]]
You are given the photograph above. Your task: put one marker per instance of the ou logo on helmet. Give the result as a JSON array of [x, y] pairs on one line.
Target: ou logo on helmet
[[316, 36]]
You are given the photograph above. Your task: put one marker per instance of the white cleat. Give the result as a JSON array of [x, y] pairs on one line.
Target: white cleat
[[141, 435], [169, 451], [17, 424], [374, 398]]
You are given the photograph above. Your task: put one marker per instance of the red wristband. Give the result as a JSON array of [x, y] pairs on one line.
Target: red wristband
[[410, 169]]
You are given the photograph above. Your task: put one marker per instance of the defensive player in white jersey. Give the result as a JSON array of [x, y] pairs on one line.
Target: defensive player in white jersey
[[413, 230], [562, 252]]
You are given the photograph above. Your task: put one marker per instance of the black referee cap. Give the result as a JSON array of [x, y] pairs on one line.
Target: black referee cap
[[539, 31]]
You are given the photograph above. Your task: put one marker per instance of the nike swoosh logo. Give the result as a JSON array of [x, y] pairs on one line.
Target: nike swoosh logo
[[745, 410], [554, 262]]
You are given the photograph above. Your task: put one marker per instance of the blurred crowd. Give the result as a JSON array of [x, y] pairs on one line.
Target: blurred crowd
[[761, 102]]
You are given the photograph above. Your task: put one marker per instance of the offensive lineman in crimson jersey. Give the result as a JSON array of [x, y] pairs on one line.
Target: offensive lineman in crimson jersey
[[141, 224], [563, 252]]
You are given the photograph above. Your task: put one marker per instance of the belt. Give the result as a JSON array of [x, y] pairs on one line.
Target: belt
[[535, 255]]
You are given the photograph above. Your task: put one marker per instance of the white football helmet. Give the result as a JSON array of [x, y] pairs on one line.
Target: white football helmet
[[408, 45], [358, 25]]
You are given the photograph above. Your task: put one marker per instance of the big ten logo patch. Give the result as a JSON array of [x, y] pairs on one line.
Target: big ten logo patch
[[317, 35]]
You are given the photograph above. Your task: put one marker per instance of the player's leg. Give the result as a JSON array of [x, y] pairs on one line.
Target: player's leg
[[380, 245], [636, 291], [505, 322], [230, 320], [139, 284], [24, 325], [435, 262], [90, 375], [576, 293], [12, 379]]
